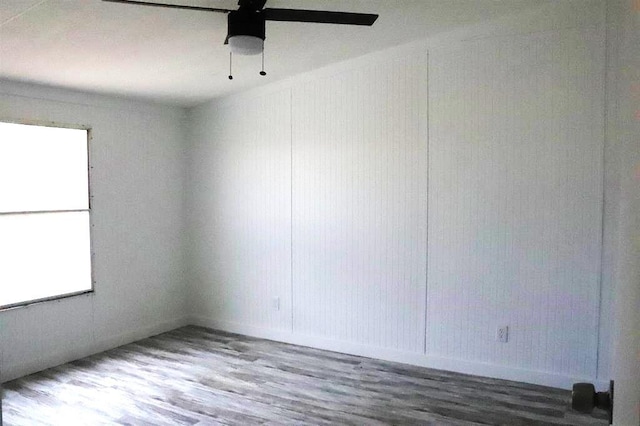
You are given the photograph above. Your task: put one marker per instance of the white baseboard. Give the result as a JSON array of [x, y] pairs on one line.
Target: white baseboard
[[139, 334], [430, 361], [286, 336], [11, 372]]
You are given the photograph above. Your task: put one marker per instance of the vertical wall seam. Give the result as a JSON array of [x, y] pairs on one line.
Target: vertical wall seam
[[291, 200], [426, 276], [605, 90]]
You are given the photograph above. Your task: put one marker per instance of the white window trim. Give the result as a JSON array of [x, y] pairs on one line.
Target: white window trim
[[91, 290]]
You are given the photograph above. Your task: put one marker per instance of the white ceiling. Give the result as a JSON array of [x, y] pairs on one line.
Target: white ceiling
[[178, 56]]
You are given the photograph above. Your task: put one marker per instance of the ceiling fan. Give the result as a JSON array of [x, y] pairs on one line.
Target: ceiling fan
[[246, 25]]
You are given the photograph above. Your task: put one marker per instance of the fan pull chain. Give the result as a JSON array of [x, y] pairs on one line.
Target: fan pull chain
[[263, 73], [230, 65]]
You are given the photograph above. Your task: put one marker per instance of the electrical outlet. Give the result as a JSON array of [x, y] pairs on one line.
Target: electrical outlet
[[503, 334], [275, 302]]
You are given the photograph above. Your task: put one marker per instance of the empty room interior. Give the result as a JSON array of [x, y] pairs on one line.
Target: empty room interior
[[223, 212]]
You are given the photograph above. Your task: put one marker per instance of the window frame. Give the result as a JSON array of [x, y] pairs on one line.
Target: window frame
[[89, 210]]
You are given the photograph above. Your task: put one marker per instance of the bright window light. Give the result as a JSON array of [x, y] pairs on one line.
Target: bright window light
[[45, 248]]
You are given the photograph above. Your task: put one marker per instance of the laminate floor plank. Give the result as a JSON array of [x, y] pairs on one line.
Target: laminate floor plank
[[196, 376]]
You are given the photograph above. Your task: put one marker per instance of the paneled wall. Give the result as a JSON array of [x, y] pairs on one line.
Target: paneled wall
[[241, 185], [359, 204], [623, 140], [406, 205], [515, 200]]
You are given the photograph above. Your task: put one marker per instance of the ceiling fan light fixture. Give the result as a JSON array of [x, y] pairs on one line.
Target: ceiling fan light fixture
[[246, 32], [246, 45]]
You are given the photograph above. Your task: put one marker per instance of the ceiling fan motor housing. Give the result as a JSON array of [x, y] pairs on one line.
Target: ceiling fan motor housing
[[246, 31]]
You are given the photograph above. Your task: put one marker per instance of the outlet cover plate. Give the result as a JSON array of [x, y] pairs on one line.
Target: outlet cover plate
[[502, 334]]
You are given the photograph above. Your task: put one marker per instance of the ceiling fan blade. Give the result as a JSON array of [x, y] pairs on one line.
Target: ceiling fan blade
[[319, 16], [168, 5], [252, 4]]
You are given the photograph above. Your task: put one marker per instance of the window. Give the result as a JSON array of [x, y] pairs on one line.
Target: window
[[45, 247]]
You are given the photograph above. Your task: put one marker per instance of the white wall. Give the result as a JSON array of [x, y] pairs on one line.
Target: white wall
[[516, 139], [240, 211], [137, 176], [359, 165], [623, 140], [413, 205]]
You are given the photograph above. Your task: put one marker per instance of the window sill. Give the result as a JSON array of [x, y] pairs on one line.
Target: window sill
[[45, 300]]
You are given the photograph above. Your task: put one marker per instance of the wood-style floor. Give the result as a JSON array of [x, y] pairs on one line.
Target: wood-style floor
[[197, 376]]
